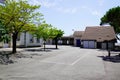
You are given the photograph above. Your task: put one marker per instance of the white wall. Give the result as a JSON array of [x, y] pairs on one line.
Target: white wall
[[28, 42], [49, 42], [1, 44]]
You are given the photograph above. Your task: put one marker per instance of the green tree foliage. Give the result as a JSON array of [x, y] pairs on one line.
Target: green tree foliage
[[43, 31], [112, 17], [47, 31], [4, 35], [18, 16], [57, 34]]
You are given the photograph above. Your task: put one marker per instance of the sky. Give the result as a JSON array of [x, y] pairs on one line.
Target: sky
[[74, 15]]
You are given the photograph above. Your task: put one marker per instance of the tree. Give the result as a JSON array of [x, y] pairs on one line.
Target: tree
[[4, 35], [47, 31], [18, 16], [58, 33], [112, 17], [53, 33], [42, 31]]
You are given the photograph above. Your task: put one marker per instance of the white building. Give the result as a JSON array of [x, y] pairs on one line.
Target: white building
[[26, 39]]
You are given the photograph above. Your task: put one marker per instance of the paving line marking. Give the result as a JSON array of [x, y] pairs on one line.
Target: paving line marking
[[79, 59], [66, 63]]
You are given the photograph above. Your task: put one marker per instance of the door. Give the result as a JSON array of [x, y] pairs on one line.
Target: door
[[99, 45], [78, 43], [85, 44], [91, 44], [88, 44]]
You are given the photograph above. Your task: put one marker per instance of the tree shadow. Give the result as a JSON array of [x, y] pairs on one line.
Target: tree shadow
[[115, 58], [41, 50], [5, 57], [102, 50], [50, 48]]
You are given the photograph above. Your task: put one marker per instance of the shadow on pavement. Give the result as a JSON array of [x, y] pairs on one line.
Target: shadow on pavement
[[115, 59], [41, 49]]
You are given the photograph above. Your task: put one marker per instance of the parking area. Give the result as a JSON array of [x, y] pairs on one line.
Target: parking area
[[65, 63]]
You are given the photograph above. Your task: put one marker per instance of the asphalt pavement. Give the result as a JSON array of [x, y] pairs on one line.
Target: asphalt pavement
[[65, 63]]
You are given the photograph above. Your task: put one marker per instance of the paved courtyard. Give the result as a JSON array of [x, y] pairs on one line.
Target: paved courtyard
[[65, 63]]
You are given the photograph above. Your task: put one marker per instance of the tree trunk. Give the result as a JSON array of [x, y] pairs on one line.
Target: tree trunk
[[56, 42], [25, 39], [109, 53], [14, 37], [44, 46]]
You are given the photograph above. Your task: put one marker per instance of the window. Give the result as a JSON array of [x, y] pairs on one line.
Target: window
[[31, 39], [38, 40], [18, 38]]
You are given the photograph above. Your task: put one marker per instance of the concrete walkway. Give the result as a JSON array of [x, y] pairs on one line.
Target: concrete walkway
[[65, 63]]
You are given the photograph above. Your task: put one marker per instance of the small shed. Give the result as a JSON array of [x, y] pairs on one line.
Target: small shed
[[77, 38], [99, 37]]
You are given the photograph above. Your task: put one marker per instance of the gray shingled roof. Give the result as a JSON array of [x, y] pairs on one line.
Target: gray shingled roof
[[99, 33]]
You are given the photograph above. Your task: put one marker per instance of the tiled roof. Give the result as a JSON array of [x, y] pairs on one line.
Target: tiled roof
[[99, 33], [70, 36], [78, 33]]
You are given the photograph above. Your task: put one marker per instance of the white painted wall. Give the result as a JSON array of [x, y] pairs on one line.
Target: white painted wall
[[49, 41], [28, 40], [1, 44]]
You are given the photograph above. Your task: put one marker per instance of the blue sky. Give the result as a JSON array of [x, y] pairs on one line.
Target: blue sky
[[70, 15]]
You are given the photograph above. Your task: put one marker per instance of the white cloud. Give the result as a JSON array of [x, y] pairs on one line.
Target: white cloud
[[34, 2], [47, 4], [84, 7], [54, 4], [67, 10], [100, 2], [91, 11], [43, 3], [59, 0], [96, 13]]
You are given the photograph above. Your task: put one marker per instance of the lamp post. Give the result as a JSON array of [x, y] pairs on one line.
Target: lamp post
[[25, 39]]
